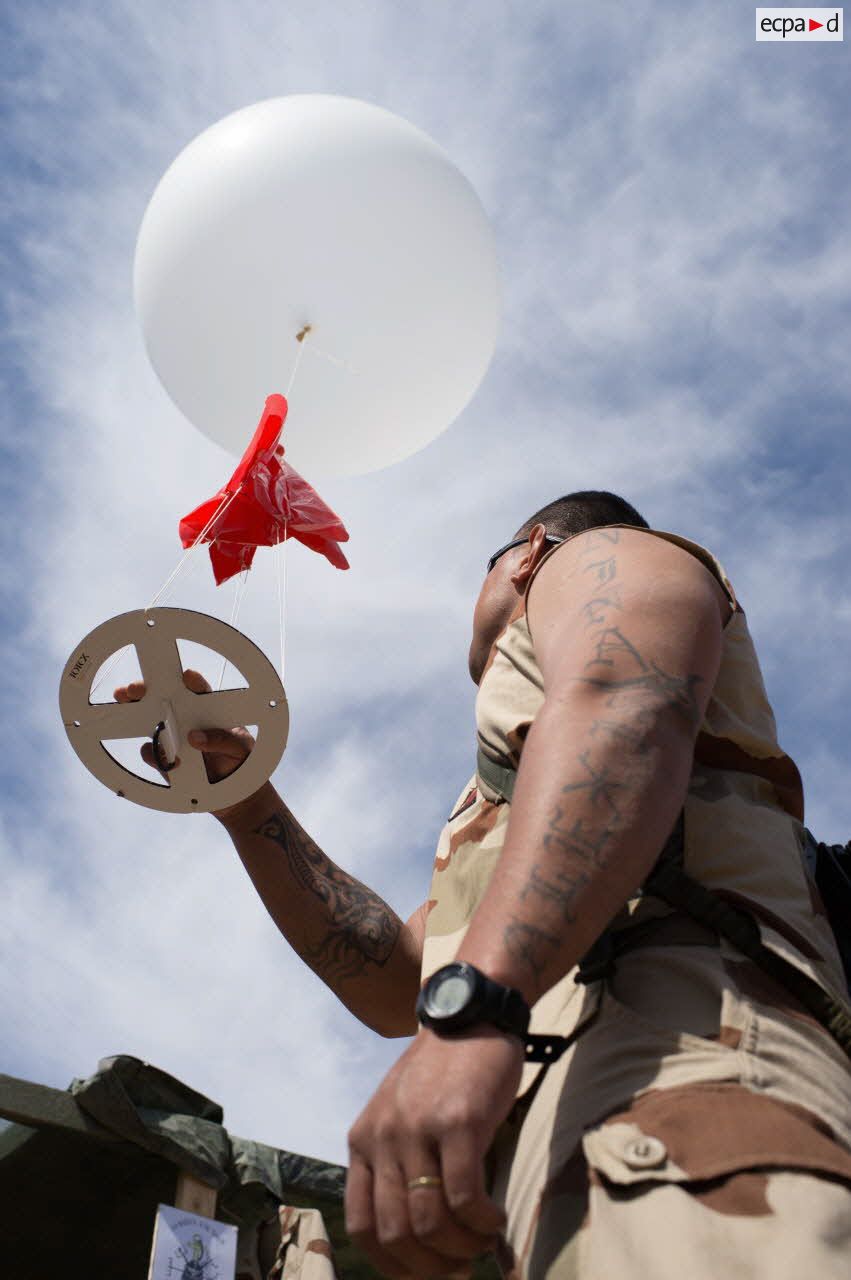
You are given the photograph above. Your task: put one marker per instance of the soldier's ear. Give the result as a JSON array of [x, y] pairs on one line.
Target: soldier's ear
[[534, 551]]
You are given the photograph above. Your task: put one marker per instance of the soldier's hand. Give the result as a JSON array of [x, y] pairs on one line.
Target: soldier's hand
[[416, 1199], [223, 749]]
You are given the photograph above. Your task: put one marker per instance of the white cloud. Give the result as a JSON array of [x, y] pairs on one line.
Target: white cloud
[[675, 296]]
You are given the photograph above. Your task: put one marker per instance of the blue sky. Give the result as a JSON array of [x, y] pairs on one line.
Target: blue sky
[[670, 204]]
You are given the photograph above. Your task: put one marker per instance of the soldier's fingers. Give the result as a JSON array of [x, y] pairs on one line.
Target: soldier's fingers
[[433, 1222], [133, 692], [464, 1185], [195, 682], [222, 742], [395, 1231], [360, 1220], [146, 751]]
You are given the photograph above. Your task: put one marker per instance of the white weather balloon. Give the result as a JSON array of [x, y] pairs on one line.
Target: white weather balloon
[[323, 211]]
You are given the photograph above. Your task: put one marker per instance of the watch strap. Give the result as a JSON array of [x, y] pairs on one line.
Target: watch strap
[[508, 1010], [491, 1003], [504, 1008]]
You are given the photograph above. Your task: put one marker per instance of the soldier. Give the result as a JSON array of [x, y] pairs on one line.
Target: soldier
[[676, 1104]]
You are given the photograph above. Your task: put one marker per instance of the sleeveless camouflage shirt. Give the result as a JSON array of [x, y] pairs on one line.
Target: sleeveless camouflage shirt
[[743, 813]]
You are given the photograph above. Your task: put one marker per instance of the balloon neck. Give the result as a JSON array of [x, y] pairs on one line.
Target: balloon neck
[[300, 337]]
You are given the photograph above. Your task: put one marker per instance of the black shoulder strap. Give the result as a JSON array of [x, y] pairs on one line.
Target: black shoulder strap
[[674, 886], [830, 866]]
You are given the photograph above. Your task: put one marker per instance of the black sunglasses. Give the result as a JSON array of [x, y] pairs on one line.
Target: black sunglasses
[[518, 542]]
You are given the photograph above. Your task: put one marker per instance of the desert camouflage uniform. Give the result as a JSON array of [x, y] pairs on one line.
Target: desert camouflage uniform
[[700, 1125], [305, 1251]]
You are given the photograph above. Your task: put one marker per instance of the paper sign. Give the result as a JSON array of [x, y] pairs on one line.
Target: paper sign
[[189, 1247]]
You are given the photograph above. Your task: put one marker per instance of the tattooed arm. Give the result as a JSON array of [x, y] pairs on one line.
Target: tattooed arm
[[343, 930], [627, 631]]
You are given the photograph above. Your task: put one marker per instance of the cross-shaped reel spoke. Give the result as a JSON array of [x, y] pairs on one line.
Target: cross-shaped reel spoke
[[169, 711]]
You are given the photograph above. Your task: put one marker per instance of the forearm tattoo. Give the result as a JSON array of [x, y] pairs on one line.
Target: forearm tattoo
[[361, 929], [531, 944], [635, 692]]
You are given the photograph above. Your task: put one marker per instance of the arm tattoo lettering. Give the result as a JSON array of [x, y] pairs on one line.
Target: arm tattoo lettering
[[560, 891], [603, 787], [362, 929], [674, 692], [604, 571], [613, 648], [529, 943], [636, 690], [602, 537], [583, 841], [656, 687], [557, 887], [596, 611], [610, 645]]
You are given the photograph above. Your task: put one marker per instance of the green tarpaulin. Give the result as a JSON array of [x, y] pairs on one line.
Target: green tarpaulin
[[82, 1172]]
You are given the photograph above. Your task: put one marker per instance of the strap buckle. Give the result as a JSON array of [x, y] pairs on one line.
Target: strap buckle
[[540, 1048]]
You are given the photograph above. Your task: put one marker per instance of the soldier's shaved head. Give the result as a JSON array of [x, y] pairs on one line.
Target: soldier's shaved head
[[586, 509]]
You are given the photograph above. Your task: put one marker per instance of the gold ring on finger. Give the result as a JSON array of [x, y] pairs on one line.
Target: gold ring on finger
[[425, 1180]]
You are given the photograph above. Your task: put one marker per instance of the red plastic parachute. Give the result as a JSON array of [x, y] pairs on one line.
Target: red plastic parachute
[[264, 502]]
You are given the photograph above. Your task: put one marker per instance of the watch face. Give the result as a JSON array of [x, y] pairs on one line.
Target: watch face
[[450, 995]]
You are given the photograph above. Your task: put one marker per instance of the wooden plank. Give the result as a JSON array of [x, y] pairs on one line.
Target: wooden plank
[[38, 1105], [195, 1196]]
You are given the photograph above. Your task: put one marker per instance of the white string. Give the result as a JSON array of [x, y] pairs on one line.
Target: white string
[[238, 595], [116, 657], [343, 364], [243, 577], [281, 554], [316, 351], [220, 510], [281, 580], [299, 354], [106, 668]]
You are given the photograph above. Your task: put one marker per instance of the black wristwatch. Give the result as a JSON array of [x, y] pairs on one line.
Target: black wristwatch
[[460, 996]]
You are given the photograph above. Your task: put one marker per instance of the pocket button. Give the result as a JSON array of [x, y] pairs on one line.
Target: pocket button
[[644, 1153]]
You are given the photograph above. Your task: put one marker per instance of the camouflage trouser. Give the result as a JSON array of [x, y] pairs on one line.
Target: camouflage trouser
[[292, 1246], [700, 1127]]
